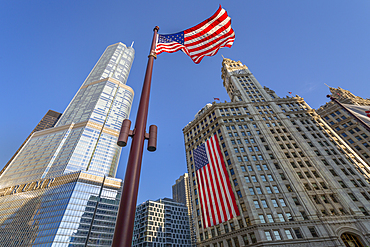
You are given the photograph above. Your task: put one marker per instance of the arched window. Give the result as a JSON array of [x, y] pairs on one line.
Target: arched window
[[351, 240]]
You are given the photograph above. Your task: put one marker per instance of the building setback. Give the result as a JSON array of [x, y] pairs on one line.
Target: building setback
[[161, 223], [181, 194], [295, 180], [344, 124], [60, 190], [48, 121]]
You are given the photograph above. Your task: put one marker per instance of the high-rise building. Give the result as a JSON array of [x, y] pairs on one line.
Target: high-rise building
[[181, 194], [60, 190], [344, 124], [161, 223], [48, 121], [296, 182]]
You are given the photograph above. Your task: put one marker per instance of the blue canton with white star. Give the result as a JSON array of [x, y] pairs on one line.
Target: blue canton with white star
[[168, 38], [200, 157]]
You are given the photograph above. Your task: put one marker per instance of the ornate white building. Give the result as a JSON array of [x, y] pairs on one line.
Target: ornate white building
[[296, 181]]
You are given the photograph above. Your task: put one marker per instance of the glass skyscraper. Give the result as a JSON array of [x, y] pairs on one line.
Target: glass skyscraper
[[60, 190]]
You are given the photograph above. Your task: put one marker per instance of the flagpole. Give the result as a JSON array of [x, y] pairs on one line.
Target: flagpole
[[367, 127], [126, 211]]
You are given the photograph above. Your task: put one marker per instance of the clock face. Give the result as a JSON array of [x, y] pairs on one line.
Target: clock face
[[351, 244]]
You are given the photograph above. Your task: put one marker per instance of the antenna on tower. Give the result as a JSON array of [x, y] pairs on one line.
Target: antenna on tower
[[326, 85], [132, 44], [222, 56]]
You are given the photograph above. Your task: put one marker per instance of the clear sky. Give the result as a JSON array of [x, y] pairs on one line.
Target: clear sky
[[49, 47]]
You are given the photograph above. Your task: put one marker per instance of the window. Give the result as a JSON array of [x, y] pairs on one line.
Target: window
[[277, 235], [352, 197], [264, 204], [298, 233], [251, 190], [268, 189], [313, 232], [288, 233], [289, 188], [259, 191], [276, 190], [268, 235], [239, 194], [282, 202], [262, 218], [274, 203], [363, 210], [281, 217], [247, 179], [254, 179], [295, 199], [256, 204], [269, 218]]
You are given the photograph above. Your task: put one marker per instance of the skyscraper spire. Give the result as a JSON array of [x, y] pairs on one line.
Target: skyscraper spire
[[55, 185]]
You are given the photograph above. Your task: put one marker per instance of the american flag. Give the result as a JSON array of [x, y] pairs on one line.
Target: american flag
[[216, 198], [205, 39], [361, 112]]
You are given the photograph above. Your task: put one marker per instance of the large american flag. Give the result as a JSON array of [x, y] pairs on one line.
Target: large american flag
[[205, 39], [216, 198]]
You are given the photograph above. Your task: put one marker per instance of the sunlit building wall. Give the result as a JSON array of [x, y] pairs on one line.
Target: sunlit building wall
[[85, 136], [344, 124], [59, 189], [295, 180]]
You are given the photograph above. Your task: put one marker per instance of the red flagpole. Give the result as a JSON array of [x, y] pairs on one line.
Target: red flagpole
[[126, 211]]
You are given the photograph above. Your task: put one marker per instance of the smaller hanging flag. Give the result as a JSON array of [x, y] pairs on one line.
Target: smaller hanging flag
[[204, 39], [216, 99], [290, 92], [361, 112]]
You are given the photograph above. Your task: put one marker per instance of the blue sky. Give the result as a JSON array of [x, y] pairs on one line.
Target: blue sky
[[49, 47]]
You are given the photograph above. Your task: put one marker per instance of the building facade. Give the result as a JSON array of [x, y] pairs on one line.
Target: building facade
[[77, 209], [48, 121], [161, 223], [344, 124], [296, 182], [181, 194], [60, 187]]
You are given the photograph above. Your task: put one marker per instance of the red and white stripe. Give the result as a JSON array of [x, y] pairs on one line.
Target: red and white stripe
[[168, 47], [217, 200], [205, 39]]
